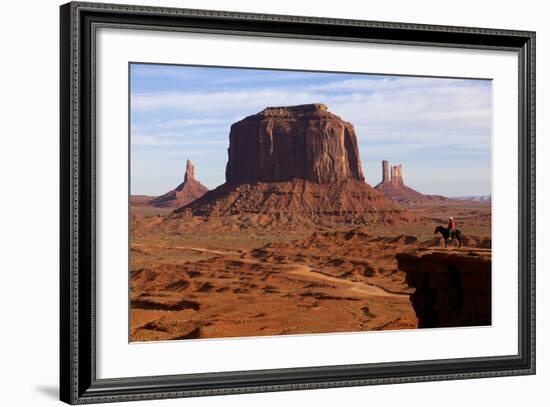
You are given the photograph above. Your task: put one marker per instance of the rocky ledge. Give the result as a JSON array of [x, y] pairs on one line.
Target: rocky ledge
[[453, 287]]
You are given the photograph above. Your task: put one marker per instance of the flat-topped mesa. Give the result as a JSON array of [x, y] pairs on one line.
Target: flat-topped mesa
[[293, 142], [294, 167]]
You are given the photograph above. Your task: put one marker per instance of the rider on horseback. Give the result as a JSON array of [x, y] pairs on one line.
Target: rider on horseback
[[451, 226]]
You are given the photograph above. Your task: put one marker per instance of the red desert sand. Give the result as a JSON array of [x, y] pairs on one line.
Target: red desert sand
[[295, 241]]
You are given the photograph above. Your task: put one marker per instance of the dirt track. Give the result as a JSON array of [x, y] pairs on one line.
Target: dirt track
[[215, 280]]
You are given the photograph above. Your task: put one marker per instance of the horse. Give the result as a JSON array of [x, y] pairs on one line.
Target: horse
[[454, 234]]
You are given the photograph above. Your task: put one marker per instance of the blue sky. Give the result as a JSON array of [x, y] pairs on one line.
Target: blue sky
[[438, 129]]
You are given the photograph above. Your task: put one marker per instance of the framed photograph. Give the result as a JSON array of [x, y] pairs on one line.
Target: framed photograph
[[254, 203]]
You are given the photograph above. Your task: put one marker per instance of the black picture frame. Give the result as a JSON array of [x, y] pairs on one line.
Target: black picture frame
[[78, 382]]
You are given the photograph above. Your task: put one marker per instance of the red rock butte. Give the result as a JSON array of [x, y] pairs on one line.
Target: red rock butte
[[393, 186], [295, 162], [186, 192], [294, 142]]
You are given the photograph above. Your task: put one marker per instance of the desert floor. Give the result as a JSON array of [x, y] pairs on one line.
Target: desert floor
[[221, 278]]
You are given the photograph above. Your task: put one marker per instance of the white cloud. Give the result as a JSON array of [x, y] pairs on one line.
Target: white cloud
[[170, 124], [434, 106], [392, 117], [153, 140], [218, 102]]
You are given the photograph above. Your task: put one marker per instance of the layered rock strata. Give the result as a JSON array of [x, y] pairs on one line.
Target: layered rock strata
[[296, 161], [296, 142], [453, 287]]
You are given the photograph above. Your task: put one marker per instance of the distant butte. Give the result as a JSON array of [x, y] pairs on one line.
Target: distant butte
[[189, 190], [394, 187], [295, 162]]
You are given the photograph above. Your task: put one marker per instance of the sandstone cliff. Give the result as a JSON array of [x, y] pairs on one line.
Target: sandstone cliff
[[295, 162], [189, 190], [283, 143], [453, 287]]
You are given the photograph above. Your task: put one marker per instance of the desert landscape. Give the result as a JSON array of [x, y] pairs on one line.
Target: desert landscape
[[297, 242]]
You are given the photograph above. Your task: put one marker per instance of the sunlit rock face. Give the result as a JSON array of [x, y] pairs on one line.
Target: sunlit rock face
[[295, 142]]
